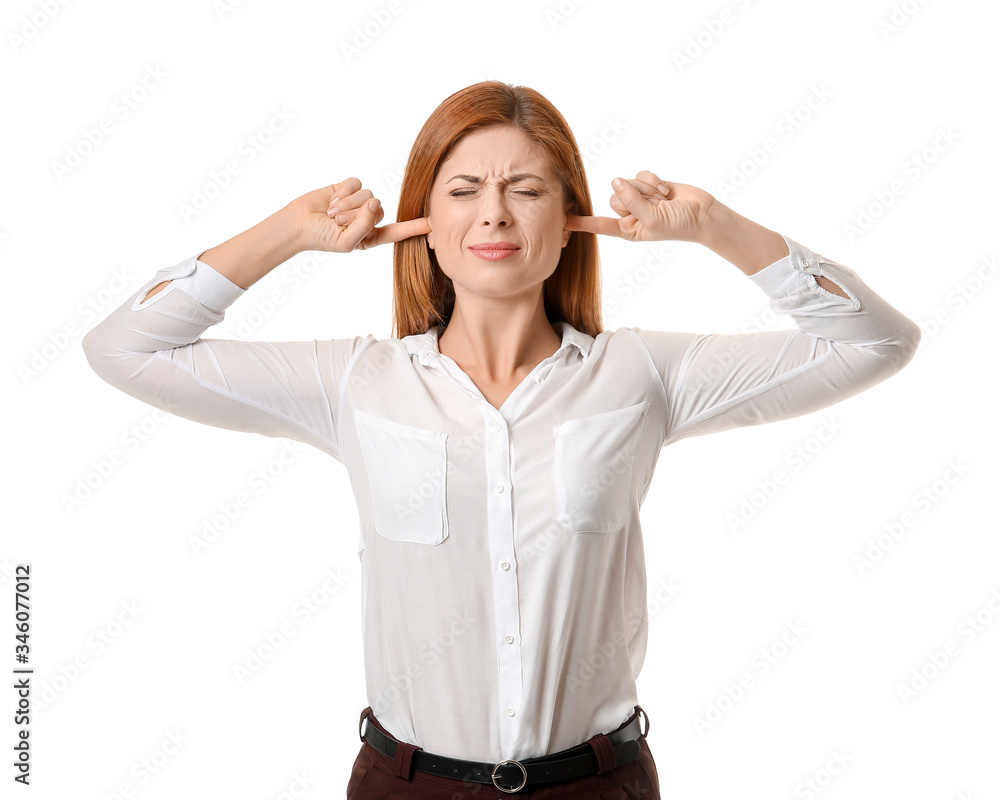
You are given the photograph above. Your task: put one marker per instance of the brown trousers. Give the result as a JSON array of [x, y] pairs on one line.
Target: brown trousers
[[377, 777]]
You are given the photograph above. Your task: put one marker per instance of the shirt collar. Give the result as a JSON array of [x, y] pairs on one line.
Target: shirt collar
[[425, 345]]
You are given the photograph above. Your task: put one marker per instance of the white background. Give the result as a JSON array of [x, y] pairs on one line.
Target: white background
[[884, 80]]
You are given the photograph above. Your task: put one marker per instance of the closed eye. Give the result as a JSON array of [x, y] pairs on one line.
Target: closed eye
[[464, 192]]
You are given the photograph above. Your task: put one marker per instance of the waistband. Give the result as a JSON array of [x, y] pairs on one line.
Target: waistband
[[601, 752]]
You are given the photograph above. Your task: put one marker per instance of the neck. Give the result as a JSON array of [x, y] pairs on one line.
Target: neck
[[499, 343]]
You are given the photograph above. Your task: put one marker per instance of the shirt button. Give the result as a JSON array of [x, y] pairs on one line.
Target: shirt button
[[493, 426], [509, 639], [500, 487], [504, 565], [539, 379], [510, 711], [804, 262]]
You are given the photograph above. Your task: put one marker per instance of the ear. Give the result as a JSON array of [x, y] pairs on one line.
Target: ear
[[567, 234], [430, 236]]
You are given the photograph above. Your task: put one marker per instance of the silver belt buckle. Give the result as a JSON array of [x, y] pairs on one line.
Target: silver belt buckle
[[493, 775]]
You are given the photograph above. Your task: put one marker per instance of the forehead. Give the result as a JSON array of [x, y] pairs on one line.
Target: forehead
[[496, 151]]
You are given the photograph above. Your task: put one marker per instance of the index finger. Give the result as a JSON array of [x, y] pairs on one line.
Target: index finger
[[397, 231], [606, 226]]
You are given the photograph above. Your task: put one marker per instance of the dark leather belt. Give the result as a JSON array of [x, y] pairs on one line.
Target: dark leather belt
[[600, 752]]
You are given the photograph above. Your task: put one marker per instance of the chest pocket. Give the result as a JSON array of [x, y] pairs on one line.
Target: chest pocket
[[407, 469], [592, 466]]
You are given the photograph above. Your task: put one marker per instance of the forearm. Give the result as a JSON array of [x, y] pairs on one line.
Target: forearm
[[749, 246], [249, 256]]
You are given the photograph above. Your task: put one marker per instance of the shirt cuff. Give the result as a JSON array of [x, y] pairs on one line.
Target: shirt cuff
[[788, 274], [196, 279], [209, 286]]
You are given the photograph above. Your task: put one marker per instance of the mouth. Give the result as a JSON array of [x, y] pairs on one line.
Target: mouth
[[494, 251]]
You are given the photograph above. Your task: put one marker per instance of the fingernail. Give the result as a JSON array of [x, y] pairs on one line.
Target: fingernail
[[333, 210], [341, 219], [618, 183], [335, 199], [373, 204], [663, 188]]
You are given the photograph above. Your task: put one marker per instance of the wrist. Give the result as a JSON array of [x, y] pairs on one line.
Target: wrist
[[716, 219], [742, 242], [290, 225]]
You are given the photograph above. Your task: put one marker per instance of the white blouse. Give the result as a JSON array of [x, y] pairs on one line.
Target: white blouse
[[503, 577]]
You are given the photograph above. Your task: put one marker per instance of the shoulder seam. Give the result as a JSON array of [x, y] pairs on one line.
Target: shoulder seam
[[656, 375]]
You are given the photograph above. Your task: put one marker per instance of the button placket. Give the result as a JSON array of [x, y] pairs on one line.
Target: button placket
[[500, 534]]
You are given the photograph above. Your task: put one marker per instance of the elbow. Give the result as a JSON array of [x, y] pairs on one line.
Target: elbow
[[100, 354], [896, 350], [92, 348], [908, 342]]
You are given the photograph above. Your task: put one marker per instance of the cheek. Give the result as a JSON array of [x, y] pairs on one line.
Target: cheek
[[448, 228], [546, 225], [453, 228]]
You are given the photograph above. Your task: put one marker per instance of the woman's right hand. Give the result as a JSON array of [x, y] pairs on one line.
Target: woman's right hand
[[339, 219]]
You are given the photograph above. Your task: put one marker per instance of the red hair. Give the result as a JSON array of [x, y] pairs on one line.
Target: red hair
[[423, 296]]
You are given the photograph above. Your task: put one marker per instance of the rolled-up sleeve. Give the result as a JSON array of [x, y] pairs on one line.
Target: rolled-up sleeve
[[151, 349], [843, 345]]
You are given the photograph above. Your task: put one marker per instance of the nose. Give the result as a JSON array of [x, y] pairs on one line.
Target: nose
[[494, 209]]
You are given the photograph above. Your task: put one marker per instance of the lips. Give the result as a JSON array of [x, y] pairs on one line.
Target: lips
[[494, 246], [494, 251]]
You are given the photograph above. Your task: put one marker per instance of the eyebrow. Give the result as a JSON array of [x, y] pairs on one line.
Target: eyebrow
[[512, 179]]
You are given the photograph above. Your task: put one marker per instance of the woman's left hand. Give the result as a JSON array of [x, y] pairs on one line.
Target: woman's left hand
[[648, 214]]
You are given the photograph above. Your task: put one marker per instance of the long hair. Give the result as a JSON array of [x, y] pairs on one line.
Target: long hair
[[423, 296]]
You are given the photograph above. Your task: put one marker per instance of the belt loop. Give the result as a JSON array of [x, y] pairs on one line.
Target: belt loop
[[361, 721], [402, 764], [604, 751], [639, 710]]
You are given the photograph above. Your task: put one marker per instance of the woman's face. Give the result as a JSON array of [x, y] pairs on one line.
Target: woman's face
[[496, 186]]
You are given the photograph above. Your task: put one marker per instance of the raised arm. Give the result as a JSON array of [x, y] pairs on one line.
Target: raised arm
[[337, 218], [848, 338], [151, 346]]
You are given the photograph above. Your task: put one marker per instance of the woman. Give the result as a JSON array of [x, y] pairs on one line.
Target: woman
[[500, 446]]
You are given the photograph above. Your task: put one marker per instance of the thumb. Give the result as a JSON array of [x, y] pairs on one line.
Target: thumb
[[632, 199]]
